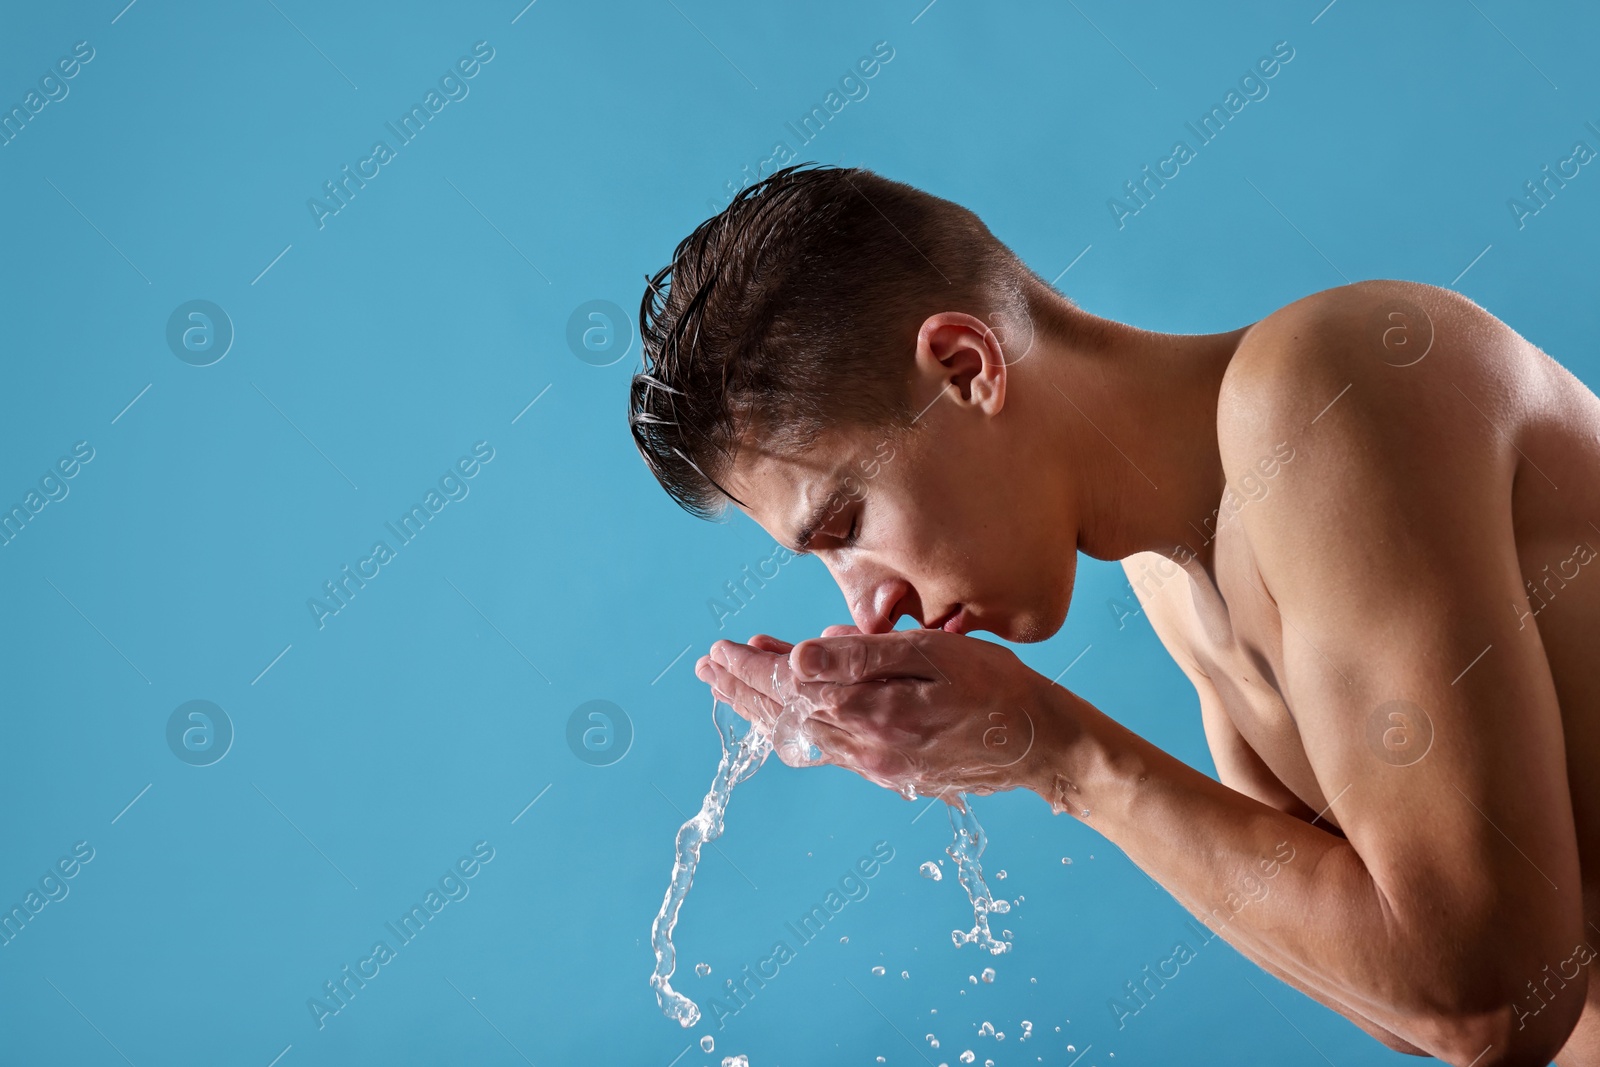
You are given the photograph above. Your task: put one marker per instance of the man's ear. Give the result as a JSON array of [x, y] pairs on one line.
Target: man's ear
[[962, 356]]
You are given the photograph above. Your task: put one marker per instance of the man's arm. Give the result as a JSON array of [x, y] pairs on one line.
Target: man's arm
[[1239, 767], [1387, 553]]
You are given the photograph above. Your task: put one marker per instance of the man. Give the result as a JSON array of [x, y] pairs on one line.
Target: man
[[1364, 527]]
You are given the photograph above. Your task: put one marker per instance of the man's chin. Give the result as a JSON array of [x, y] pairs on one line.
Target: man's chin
[[1032, 627], [1027, 629]]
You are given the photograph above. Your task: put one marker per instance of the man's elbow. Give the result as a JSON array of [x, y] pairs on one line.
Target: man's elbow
[[1527, 1032], [1394, 1042]]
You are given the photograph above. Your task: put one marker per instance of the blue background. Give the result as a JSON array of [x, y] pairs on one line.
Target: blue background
[[425, 316]]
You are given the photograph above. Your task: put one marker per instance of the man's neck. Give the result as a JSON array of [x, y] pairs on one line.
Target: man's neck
[[1138, 437]]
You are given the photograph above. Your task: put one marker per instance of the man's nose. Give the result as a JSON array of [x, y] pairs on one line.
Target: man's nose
[[873, 604]]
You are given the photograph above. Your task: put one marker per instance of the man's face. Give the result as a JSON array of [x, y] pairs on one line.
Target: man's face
[[949, 524]]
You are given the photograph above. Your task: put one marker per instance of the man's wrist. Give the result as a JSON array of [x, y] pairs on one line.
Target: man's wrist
[[1058, 733]]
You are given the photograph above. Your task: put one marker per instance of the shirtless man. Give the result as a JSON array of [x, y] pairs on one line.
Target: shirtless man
[[1364, 527]]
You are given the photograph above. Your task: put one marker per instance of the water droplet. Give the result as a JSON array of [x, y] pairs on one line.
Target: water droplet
[[986, 1030], [999, 1035], [933, 1042], [931, 871], [1027, 1030], [968, 1056], [882, 1060], [972, 979], [1066, 861], [702, 969], [740, 1060], [905, 974], [1035, 981], [707, 1043], [878, 971], [845, 940], [1000, 875], [1086, 815], [1070, 1048], [1005, 934], [988, 974]]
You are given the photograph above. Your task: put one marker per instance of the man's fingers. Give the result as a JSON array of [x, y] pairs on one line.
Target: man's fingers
[[838, 630], [745, 698], [836, 745], [861, 657], [753, 666], [767, 643]]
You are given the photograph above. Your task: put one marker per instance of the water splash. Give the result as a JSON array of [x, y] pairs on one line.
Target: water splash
[[742, 756], [966, 848]]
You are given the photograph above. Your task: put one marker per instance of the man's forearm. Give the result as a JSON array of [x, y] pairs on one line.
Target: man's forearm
[[1322, 923]]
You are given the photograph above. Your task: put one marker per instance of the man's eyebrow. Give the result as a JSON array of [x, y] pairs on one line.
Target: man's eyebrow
[[808, 528]]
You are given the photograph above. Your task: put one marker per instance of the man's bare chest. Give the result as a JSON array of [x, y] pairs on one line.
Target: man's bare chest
[[1224, 630]]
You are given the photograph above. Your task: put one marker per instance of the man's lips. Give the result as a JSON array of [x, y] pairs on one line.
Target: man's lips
[[951, 621]]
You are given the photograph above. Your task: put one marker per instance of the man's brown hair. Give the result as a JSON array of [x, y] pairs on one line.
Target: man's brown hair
[[796, 308]]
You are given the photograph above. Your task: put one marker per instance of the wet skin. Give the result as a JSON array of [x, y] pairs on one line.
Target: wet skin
[[1391, 635]]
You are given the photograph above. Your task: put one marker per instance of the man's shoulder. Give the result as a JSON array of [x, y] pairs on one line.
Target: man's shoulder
[[1365, 329], [1389, 364]]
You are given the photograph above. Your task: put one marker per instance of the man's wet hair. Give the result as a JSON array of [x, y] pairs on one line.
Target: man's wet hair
[[796, 308]]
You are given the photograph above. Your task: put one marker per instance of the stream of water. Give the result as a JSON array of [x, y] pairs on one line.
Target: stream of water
[[742, 755], [744, 750], [966, 848]]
